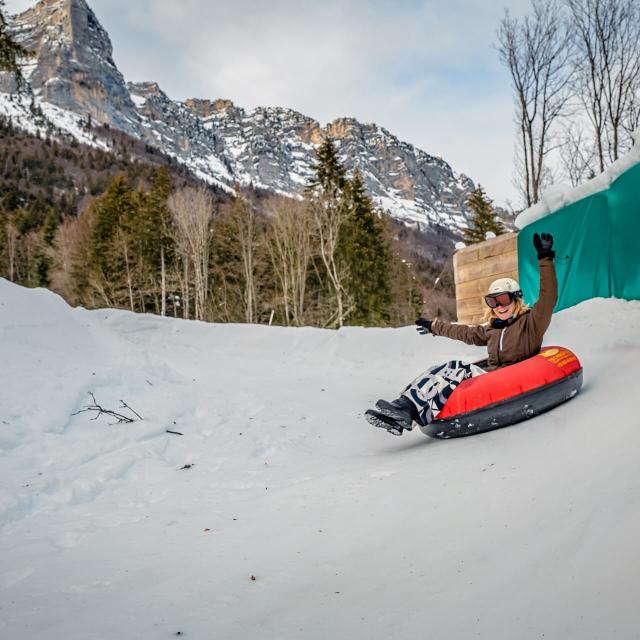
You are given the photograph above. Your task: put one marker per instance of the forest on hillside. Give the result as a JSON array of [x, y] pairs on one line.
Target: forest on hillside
[[131, 229]]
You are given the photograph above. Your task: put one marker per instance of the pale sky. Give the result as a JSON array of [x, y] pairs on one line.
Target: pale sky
[[426, 70]]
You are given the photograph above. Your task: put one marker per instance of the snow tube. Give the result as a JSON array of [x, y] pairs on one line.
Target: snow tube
[[509, 395]]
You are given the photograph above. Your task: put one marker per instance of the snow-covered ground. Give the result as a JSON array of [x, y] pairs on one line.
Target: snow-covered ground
[[296, 519]]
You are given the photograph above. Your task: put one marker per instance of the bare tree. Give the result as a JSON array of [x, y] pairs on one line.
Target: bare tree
[[536, 51], [192, 210], [183, 278], [632, 119], [70, 273], [12, 250], [123, 242], [578, 155], [163, 283], [247, 234], [290, 249], [607, 70], [329, 215]]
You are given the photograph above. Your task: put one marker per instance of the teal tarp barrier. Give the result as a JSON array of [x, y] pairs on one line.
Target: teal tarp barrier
[[597, 245]]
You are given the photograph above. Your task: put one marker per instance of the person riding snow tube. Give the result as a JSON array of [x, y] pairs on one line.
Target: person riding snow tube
[[508, 395], [512, 332]]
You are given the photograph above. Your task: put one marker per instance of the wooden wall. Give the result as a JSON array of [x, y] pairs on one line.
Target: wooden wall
[[476, 267]]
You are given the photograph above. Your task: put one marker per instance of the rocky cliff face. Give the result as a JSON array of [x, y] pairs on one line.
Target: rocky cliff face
[[73, 68], [271, 148]]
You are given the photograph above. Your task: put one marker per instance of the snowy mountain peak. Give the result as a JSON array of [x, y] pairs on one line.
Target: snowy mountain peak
[[269, 147]]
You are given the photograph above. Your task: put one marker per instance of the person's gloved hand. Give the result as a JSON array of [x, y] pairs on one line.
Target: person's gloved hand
[[423, 326], [543, 244]]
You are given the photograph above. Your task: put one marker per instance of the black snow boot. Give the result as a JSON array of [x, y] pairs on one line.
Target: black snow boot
[[402, 410], [378, 419]]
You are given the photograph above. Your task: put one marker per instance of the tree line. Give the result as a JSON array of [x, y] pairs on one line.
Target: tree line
[[575, 73], [326, 259]]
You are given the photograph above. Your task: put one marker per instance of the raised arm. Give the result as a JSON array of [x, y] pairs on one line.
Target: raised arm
[[543, 309]]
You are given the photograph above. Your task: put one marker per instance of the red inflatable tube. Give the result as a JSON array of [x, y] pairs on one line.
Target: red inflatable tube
[[508, 395]]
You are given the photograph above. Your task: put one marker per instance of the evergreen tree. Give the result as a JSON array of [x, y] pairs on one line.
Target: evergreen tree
[[146, 225], [352, 242], [330, 176], [150, 224], [367, 253], [226, 267], [406, 289], [49, 227], [110, 244], [483, 218], [38, 273]]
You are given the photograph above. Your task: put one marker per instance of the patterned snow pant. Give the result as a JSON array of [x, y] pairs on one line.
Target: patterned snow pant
[[430, 390]]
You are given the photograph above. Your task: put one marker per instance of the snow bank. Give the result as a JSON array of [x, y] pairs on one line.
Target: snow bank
[[280, 513], [557, 196]]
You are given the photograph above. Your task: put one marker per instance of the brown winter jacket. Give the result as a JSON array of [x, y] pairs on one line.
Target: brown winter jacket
[[521, 338]]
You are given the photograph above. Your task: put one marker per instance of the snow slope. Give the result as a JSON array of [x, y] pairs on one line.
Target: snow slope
[[525, 532]]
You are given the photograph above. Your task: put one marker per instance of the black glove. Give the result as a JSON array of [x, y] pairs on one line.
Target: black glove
[[424, 326], [543, 244]]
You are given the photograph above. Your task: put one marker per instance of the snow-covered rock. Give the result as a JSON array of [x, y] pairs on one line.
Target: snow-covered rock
[[73, 67]]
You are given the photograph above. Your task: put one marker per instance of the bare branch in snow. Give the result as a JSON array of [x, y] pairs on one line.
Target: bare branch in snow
[[99, 410]]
